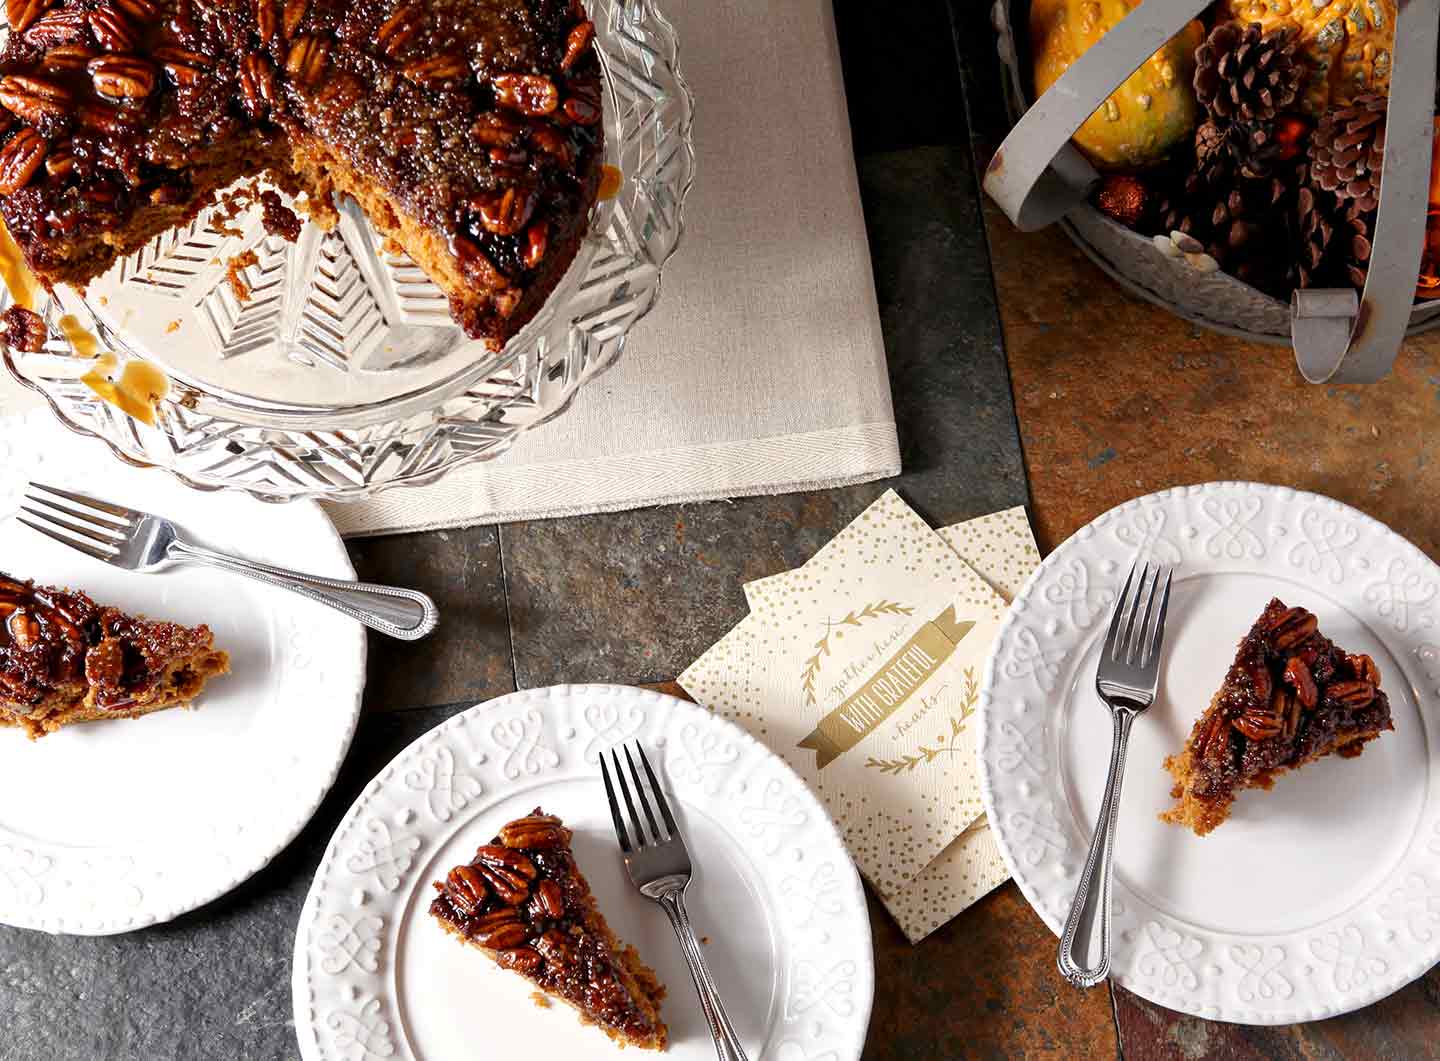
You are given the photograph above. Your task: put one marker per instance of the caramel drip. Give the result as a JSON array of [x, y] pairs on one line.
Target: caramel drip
[[17, 275], [137, 392], [610, 181]]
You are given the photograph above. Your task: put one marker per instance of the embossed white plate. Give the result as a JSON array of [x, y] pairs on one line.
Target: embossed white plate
[[111, 826], [1316, 898], [774, 891]]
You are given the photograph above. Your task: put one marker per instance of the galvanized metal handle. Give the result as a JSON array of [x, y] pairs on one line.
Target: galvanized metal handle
[[1338, 337], [1037, 176]]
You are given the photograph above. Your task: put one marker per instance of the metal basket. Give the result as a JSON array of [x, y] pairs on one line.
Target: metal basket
[[1038, 178]]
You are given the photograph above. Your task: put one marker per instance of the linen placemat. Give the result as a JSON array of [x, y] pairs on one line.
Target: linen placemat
[[761, 368]]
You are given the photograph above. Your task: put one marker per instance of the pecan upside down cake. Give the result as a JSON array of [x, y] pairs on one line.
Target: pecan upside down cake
[[523, 902], [468, 130], [64, 659], [1290, 697]]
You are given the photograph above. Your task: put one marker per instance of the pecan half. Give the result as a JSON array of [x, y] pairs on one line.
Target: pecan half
[[1298, 676], [258, 89], [267, 20], [24, 630], [182, 66], [105, 663], [465, 889], [583, 106], [527, 93], [499, 929], [549, 899], [507, 872], [524, 960], [20, 158], [554, 946], [399, 29], [1286, 706], [436, 70], [107, 119], [57, 27], [22, 13], [505, 213], [122, 77], [66, 58], [1364, 668], [1292, 628], [1259, 723], [139, 11], [496, 130], [61, 160], [536, 830], [294, 14], [308, 57], [113, 31], [32, 99], [578, 39], [537, 239], [24, 330], [478, 269], [1353, 694], [552, 142]]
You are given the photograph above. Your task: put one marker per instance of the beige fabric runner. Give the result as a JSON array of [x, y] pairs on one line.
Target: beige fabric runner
[[761, 369]]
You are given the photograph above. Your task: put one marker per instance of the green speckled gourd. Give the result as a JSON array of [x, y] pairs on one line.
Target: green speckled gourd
[[1144, 119]]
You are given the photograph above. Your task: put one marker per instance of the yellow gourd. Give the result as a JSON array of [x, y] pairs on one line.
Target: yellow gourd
[[1147, 116], [1348, 43]]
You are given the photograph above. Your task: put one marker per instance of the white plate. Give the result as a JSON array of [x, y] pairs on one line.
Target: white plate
[[1314, 899], [775, 892], [111, 826]]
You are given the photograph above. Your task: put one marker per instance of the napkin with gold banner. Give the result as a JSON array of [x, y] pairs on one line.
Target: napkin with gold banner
[[862, 669]]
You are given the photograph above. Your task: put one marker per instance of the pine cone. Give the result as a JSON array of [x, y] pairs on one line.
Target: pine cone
[[1347, 152], [1241, 223], [1244, 74], [1315, 230]]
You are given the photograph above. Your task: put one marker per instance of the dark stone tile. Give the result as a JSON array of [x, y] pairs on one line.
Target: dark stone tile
[[901, 82], [213, 984], [467, 658]]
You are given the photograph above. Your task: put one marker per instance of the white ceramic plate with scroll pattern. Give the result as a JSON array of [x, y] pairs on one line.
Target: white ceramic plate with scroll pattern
[[774, 892], [112, 826], [1314, 899]]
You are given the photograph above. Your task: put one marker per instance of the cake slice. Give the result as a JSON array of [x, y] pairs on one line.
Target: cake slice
[[1291, 697], [523, 902], [64, 659]]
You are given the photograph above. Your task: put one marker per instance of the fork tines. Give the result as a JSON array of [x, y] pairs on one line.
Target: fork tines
[[96, 528], [1136, 643], [641, 840]]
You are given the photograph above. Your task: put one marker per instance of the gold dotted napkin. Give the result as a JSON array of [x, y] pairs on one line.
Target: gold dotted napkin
[[862, 670]]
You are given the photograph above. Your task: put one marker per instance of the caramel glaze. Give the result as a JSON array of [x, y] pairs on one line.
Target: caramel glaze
[[53, 638]]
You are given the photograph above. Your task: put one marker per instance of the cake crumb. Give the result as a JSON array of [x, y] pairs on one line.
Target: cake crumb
[[172, 327], [540, 999], [705, 941], [277, 218], [234, 268]]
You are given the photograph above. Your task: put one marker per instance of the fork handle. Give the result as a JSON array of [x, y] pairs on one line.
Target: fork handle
[[1099, 869], [727, 1043], [400, 613]]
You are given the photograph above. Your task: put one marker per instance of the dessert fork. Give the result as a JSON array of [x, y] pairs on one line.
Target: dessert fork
[[138, 541], [659, 866], [1127, 680]]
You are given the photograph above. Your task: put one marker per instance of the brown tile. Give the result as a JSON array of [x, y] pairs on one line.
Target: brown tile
[[984, 985], [467, 658], [1122, 399], [1401, 1026]]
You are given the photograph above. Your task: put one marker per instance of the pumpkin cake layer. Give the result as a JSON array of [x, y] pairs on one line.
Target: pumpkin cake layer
[[523, 902], [65, 659], [1291, 697], [468, 130]]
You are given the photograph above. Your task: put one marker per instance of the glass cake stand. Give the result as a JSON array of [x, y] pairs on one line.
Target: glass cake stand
[[343, 373]]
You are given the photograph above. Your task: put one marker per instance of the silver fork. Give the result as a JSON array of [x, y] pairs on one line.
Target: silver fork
[[1127, 680], [659, 866], [138, 541]]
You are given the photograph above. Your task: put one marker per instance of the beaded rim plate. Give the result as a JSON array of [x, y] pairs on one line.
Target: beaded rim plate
[[107, 827], [774, 892], [435, 400], [1316, 898]]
